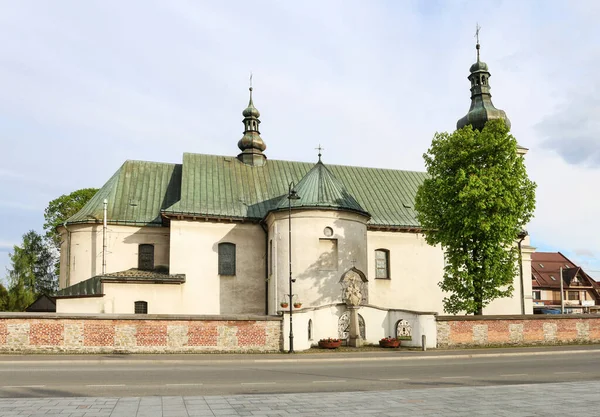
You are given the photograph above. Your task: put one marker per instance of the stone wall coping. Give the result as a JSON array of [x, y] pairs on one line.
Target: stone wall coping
[[519, 317], [157, 317], [306, 309]]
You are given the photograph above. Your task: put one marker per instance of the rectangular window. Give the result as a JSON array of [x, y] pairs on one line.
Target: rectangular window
[[226, 258], [536, 295], [141, 307], [382, 264], [328, 254], [146, 257], [573, 295]]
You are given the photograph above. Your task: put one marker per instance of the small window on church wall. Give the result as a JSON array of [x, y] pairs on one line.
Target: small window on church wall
[[141, 307], [328, 254], [310, 329], [382, 264], [146, 257], [226, 259]]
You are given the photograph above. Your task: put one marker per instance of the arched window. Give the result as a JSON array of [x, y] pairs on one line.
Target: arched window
[[146, 257], [382, 264], [140, 307], [226, 258]]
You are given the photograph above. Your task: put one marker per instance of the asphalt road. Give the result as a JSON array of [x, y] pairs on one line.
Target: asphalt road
[[94, 376]]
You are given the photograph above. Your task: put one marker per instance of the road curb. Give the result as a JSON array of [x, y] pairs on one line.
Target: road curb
[[208, 362]]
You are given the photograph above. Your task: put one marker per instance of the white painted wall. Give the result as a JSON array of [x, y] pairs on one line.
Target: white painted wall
[[191, 248], [85, 259], [194, 252], [316, 282], [80, 305], [415, 270], [379, 323], [119, 298]]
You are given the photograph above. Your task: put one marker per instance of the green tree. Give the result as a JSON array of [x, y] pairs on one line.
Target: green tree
[[3, 298], [475, 202], [58, 211], [61, 208], [31, 272]]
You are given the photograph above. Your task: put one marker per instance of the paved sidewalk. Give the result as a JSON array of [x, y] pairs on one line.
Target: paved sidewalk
[[572, 398]]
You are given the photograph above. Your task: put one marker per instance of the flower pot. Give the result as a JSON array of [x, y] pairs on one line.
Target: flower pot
[[284, 305], [297, 305], [330, 344], [393, 343]]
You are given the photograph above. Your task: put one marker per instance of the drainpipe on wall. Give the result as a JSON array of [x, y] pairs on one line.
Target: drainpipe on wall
[[562, 293], [266, 230], [68, 273], [104, 237]]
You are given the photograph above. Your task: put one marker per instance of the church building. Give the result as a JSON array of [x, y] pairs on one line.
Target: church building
[[230, 235]]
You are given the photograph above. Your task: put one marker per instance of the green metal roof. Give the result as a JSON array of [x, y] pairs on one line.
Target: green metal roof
[[136, 193], [89, 287], [214, 186], [93, 286], [319, 188], [224, 187]]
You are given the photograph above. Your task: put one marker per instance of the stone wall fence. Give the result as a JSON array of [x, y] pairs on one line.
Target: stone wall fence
[[112, 333], [538, 329]]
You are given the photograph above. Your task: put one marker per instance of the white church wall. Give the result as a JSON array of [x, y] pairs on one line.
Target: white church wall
[[379, 323], [120, 298], [85, 259], [318, 259], [415, 270], [194, 252], [80, 305]]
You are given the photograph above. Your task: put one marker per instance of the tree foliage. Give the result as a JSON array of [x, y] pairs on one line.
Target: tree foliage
[[61, 208], [31, 272], [475, 202], [3, 298]]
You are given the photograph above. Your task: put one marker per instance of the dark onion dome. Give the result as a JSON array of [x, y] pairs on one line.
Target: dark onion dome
[[251, 144], [482, 109], [478, 66]]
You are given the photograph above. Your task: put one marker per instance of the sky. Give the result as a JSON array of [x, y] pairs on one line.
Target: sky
[[86, 85]]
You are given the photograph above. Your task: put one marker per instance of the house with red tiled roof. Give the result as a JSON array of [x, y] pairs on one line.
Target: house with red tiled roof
[[581, 293]]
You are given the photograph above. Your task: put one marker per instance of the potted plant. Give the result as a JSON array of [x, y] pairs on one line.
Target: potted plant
[[389, 342], [284, 304], [330, 343], [297, 304]]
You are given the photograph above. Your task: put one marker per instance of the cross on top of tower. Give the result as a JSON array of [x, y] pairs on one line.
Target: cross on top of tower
[[477, 29], [320, 148]]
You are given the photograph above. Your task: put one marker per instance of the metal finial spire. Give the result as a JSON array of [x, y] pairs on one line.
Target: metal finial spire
[[250, 87], [319, 148], [477, 29]]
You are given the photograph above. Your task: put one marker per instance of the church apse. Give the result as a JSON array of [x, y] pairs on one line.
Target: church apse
[[325, 244]]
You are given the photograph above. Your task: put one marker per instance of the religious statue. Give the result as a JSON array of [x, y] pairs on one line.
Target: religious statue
[[352, 294]]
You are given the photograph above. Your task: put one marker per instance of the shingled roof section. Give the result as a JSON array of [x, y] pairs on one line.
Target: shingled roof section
[[135, 194], [223, 187], [545, 270], [92, 287]]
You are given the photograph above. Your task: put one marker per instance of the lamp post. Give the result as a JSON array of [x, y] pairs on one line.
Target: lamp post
[[522, 235], [292, 195]]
